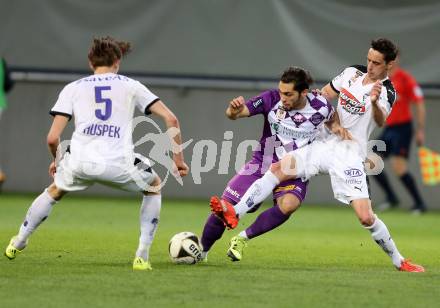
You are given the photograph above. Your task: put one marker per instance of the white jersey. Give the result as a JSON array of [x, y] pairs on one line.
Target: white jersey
[[103, 107], [354, 104]]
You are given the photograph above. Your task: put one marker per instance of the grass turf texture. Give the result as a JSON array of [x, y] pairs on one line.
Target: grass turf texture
[[81, 257]]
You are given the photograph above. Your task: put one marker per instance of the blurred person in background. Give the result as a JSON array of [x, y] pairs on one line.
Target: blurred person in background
[[6, 85], [398, 134]]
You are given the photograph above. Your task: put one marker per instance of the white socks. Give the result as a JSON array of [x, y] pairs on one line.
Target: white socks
[[36, 214], [243, 235], [149, 219], [381, 235], [256, 193]]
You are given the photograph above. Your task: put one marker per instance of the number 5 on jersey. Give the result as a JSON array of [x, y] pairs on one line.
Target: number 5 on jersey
[[107, 101]]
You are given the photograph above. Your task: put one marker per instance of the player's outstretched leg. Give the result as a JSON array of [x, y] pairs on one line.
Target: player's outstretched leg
[[225, 211], [212, 231], [36, 214], [149, 220], [381, 235], [258, 191]]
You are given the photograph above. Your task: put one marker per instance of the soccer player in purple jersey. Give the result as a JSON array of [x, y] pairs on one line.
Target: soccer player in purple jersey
[[365, 98], [293, 118]]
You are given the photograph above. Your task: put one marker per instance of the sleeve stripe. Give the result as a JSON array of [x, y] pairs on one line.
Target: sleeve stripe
[[54, 113], [147, 109], [333, 87]]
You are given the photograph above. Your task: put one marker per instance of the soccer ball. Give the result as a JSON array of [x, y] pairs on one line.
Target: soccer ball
[[185, 248]]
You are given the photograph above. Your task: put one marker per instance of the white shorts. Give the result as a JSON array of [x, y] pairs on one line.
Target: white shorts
[[341, 160], [72, 175]]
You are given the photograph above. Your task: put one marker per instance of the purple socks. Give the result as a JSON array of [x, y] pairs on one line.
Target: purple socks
[[212, 231], [266, 221]]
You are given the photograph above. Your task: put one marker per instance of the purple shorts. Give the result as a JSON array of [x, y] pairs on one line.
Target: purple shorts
[[240, 183]]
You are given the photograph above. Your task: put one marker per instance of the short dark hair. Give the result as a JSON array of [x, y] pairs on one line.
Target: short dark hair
[[106, 50], [385, 47], [300, 77]]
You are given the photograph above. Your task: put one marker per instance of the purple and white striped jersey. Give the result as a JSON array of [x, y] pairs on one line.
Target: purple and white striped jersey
[[286, 131]]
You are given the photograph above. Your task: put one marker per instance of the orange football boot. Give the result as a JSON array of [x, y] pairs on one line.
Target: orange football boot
[[407, 266], [225, 211]]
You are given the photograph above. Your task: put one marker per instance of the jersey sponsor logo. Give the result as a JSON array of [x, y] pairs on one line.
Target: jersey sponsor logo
[[288, 132], [353, 172], [111, 131], [257, 103], [350, 104]]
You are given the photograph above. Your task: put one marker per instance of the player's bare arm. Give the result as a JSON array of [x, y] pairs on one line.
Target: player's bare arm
[[237, 108], [379, 115], [171, 121], [328, 92], [53, 138]]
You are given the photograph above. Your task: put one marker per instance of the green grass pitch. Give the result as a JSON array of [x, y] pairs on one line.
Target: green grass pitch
[[81, 257]]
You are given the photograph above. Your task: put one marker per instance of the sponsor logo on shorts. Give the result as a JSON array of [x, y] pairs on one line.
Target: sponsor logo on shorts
[[233, 192], [353, 172], [353, 181], [288, 187]]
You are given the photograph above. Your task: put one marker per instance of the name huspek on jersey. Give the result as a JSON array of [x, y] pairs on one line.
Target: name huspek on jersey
[[111, 131]]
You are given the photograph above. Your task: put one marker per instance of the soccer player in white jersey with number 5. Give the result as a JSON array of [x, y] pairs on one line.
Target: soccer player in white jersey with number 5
[[365, 98], [101, 149]]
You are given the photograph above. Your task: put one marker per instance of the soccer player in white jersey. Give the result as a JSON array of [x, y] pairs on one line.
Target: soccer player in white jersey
[[101, 148], [292, 117], [365, 98]]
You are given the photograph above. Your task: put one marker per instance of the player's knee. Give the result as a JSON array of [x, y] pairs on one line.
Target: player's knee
[[288, 204], [284, 169], [154, 187], [55, 192], [366, 219], [275, 168]]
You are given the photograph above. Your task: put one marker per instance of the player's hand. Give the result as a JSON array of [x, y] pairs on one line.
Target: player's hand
[[52, 169], [420, 137], [237, 104], [342, 132], [375, 91], [316, 92], [182, 168]]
